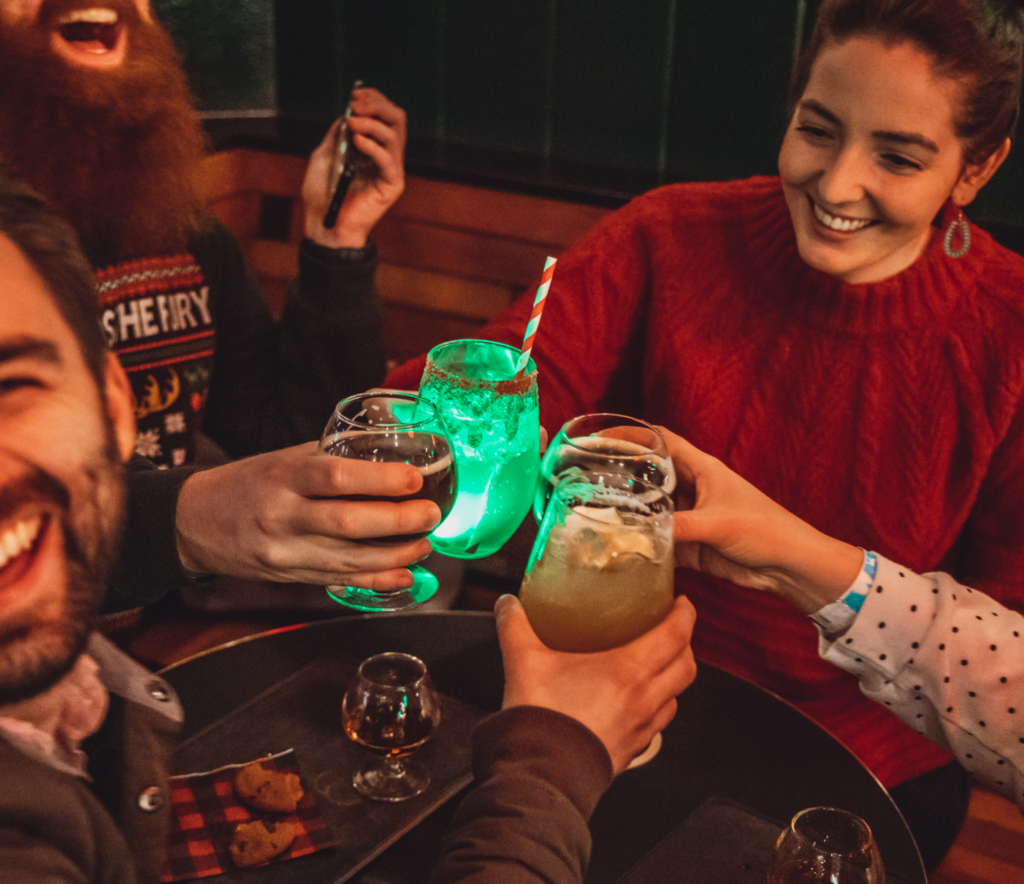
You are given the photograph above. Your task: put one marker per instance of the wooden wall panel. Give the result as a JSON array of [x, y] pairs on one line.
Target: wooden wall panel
[[460, 253], [451, 255], [239, 213], [410, 332], [509, 215], [442, 293]]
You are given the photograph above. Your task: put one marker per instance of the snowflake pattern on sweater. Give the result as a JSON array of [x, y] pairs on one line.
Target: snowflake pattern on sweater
[[155, 313]]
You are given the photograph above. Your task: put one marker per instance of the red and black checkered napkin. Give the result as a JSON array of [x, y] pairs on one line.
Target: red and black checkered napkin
[[206, 811]]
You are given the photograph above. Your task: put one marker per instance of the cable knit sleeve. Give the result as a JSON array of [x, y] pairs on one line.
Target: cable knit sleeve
[[538, 776], [948, 661]]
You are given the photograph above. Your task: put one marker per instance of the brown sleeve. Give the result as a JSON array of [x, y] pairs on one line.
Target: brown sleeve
[[539, 775]]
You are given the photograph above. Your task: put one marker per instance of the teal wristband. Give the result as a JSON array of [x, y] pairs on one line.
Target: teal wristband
[[838, 616]]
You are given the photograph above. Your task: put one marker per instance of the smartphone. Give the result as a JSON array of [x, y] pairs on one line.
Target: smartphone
[[348, 159]]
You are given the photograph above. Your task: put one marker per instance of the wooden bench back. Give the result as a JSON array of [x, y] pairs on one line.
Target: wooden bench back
[[451, 255]]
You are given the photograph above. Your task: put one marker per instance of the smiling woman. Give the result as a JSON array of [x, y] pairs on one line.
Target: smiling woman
[[870, 156], [839, 336]]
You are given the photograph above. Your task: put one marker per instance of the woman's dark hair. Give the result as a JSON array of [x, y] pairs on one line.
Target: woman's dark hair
[[979, 42], [51, 246]]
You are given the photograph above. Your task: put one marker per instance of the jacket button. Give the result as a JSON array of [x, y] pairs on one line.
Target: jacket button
[[151, 799], [159, 691]]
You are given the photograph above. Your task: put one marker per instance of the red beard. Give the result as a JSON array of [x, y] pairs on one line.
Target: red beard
[[117, 150]]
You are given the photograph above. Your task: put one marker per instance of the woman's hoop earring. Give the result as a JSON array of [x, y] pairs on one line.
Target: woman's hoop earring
[[965, 237]]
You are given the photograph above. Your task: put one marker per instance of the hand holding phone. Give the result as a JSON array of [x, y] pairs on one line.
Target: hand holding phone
[[348, 160], [378, 126]]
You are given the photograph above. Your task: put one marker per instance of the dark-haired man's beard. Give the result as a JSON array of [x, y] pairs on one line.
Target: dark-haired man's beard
[[117, 150], [38, 648]]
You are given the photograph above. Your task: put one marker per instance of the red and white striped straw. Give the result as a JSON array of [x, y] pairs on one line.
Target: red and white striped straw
[[538, 309]]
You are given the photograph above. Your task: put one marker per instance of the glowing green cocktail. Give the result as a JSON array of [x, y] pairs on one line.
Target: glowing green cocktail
[[493, 424]]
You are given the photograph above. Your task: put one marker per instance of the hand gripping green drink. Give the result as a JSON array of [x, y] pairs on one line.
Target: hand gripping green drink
[[493, 421]]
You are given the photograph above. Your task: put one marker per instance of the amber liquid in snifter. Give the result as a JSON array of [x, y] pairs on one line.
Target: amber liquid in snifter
[[392, 708], [385, 735], [601, 573]]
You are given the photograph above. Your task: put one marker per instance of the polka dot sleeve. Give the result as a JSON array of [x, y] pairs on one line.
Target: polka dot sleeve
[[948, 661]]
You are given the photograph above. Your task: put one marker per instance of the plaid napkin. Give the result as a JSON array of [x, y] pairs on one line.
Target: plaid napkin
[[205, 811]]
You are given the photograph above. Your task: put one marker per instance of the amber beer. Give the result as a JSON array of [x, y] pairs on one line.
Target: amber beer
[[385, 735], [386, 711], [391, 708], [439, 483], [576, 607]]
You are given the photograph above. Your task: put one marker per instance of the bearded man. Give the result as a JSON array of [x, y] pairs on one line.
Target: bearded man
[[95, 113]]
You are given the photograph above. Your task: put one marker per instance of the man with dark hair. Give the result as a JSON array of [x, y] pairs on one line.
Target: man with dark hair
[[85, 732], [64, 431], [95, 114]]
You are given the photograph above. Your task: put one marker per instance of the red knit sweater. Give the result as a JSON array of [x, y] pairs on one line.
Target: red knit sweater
[[886, 414]]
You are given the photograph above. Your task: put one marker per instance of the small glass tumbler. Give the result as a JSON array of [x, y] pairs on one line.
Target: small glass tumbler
[[826, 845]]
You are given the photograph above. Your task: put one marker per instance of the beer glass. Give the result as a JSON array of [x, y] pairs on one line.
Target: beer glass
[[600, 573], [826, 845], [604, 443], [393, 427], [391, 708], [493, 422]]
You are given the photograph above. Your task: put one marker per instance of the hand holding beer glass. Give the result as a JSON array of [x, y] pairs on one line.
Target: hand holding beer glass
[[393, 427], [601, 570]]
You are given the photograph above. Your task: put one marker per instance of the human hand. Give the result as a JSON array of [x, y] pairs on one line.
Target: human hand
[[276, 517], [736, 532], [624, 695], [378, 127]]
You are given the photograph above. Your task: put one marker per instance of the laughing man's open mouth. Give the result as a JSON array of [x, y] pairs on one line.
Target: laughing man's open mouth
[[93, 37], [19, 538]]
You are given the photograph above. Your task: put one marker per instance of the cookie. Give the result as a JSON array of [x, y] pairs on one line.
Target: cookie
[[256, 842], [264, 787]]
